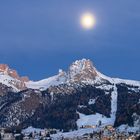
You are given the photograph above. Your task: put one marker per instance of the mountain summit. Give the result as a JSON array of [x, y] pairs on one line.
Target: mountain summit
[[79, 71], [82, 70]]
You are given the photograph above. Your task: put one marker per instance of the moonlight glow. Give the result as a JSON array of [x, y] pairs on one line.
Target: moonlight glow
[[87, 21]]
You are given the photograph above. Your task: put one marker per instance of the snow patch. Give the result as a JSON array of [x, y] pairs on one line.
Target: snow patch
[[93, 120], [46, 83], [9, 81], [91, 101], [31, 130]]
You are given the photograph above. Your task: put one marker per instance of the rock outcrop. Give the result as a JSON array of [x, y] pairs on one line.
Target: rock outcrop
[[12, 77]]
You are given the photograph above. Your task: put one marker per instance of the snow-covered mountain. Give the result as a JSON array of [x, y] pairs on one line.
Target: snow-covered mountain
[[80, 71], [81, 96]]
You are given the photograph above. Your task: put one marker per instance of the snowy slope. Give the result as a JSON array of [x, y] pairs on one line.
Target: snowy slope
[[9, 81], [45, 83], [118, 80], [93, 120], [11, 78]]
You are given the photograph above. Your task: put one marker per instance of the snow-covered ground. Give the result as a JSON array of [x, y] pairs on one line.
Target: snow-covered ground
[[72, 134], [126, 129], [93, 120]]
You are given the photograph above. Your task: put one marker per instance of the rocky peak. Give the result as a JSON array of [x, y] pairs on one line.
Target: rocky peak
[[82, 70], [61, 72], [3, 68], [18, 82]]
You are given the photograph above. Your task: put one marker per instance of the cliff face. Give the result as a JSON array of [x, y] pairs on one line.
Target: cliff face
[[81, 71]]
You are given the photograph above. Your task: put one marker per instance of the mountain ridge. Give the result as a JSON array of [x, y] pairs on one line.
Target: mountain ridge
[[79, 71], [81, 96]]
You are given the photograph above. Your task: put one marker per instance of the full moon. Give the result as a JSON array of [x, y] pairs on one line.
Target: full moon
[[87, 21]]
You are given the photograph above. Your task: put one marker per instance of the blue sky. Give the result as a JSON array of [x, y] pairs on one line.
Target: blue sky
[[37, 37]]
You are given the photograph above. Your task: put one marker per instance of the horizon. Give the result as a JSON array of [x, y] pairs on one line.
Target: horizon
[[39, 38]]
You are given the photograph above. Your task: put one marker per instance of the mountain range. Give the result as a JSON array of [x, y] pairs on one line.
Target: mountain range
[[78, 97]]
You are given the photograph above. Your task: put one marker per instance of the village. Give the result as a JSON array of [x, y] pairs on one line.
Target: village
[[102, 133]]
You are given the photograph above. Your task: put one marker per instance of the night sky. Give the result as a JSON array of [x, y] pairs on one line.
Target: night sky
[[37, 37]]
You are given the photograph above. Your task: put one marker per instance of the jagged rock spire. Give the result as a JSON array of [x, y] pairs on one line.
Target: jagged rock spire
[[82, 70]]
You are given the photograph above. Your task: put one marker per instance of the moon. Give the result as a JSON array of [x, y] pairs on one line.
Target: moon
[[87, 21]]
